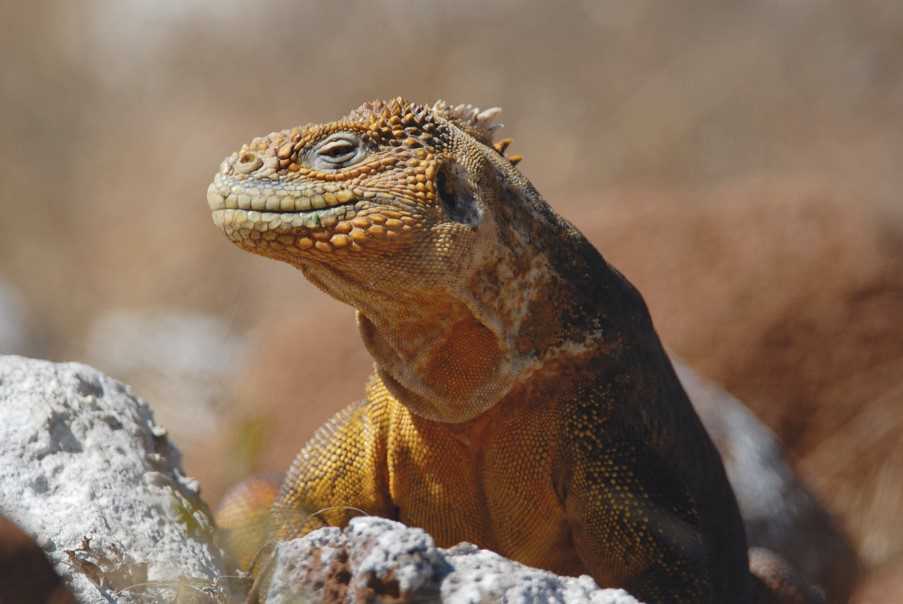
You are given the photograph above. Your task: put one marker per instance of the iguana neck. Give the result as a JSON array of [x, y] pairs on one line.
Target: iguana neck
[[443, 364], [450, 354]]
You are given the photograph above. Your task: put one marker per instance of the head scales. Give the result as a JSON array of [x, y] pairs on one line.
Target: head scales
[[481, 124]]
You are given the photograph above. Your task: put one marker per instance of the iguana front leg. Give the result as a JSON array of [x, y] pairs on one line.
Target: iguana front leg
[[336, 476], [340, 473], [631, 525], [638, 491]]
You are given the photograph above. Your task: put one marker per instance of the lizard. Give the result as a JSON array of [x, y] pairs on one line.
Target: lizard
[[521, 398]]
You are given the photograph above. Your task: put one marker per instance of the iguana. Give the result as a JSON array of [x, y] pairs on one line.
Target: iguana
[[521, 398]]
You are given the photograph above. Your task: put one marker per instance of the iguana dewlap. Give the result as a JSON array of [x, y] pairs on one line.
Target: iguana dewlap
[[522, 400]]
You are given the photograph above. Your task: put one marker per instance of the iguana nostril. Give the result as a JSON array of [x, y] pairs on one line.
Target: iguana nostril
[[248, 162]]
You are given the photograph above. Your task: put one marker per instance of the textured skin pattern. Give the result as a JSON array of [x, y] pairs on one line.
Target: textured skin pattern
[[522, 400]]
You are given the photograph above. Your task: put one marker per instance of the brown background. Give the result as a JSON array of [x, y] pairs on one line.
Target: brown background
[[739, 161]]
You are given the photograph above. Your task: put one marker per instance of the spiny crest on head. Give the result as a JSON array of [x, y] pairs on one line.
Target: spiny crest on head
[[385, 110], [478, 123]]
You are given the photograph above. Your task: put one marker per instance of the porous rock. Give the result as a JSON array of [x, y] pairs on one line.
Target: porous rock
[[86, 471], [374, 559]]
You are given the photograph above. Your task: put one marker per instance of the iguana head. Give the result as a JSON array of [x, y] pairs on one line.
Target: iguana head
[[413, 215], [377, 191]]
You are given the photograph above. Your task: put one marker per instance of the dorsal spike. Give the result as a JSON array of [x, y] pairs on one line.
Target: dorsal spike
[[502, 145], [479, 123], [487, 116]]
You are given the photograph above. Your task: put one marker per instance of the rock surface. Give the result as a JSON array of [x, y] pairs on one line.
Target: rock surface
[[85, 469], [375, 558]]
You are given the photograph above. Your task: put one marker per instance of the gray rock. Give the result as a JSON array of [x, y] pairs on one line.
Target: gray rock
[[86, 470], [375, 558], [779, 512]]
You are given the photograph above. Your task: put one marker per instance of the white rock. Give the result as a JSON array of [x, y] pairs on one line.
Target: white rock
[[484, 576], [375, 556], [80, 457]]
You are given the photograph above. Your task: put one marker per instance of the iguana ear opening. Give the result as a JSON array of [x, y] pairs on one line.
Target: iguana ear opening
[[458, 197]]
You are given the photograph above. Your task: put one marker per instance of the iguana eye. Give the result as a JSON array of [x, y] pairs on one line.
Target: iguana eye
[[337, 151]]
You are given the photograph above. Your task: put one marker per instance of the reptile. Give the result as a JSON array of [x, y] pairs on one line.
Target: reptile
[[521, 399]]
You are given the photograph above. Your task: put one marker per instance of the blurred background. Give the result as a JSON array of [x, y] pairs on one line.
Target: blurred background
[[739, 161]]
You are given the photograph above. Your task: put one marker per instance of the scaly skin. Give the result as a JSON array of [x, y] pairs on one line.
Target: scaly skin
[[522, 400]]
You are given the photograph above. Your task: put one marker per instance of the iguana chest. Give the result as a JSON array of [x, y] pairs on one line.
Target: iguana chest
[[493, 487]]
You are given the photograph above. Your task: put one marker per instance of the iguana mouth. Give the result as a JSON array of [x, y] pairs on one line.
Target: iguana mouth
[[264, 217], [349, 224], [312, 219], [223, 195], [298, 211]]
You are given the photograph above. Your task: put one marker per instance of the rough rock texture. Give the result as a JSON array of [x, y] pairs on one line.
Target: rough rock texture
[[85, 469], [375, 557], [779, 512]]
